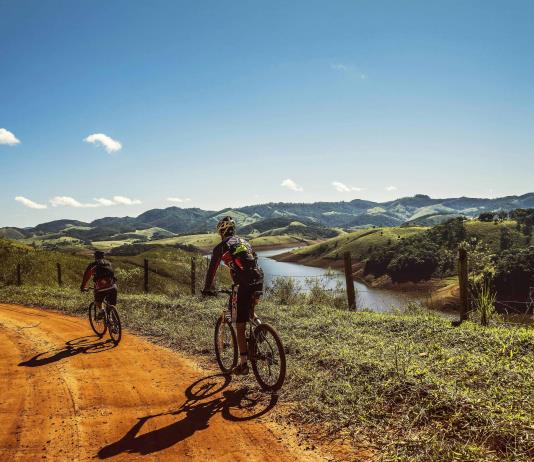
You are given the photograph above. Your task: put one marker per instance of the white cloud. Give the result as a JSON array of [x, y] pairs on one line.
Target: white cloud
[[109, 144], [391, 188], [104, 202], [121, 200], [341, 187], [178, 200], [66, 201], [29, 203], [6, 137], [290, 184]]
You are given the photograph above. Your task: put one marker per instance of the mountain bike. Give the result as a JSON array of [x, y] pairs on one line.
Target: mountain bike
[[109, 320], [265, 349]]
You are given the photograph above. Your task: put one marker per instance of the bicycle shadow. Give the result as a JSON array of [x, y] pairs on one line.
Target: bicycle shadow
[[80, 345], [194, 414]]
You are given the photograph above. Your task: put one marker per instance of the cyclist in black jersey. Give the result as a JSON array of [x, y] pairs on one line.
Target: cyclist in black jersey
[[238, 255]]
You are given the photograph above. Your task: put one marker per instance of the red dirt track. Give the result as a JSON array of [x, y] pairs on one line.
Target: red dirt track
[[67, 395]]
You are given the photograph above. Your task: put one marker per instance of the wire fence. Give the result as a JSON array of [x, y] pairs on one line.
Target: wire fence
[[179, 276]]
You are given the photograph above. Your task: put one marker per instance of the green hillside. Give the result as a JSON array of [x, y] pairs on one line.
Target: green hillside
[[170, 268], [419, 210], [359, 243]]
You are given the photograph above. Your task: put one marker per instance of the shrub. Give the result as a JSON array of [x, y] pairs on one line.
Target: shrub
[[284, 290]]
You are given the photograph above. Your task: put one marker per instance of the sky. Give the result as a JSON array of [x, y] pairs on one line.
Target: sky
[[110, 108]]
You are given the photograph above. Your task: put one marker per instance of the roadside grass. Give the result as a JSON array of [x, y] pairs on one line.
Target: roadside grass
[[407, 384]]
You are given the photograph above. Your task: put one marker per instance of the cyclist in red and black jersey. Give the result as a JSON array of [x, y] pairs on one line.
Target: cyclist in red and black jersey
[[104, 281], [238, 255]]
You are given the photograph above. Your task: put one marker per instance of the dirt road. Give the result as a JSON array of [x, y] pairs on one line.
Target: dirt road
[[67, 395]]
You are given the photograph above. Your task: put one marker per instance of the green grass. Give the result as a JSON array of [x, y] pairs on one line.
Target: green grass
[[490, 233], [409, 385], [358, 243], [200, 241], [361, 242], [169, 268]]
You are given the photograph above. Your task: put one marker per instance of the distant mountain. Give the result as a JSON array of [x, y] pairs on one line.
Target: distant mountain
[[274, 218]]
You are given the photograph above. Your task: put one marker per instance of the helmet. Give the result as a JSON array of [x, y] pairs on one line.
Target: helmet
[[226, 226], [99, 255]]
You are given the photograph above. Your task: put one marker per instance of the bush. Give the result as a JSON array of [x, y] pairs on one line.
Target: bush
[[514, 274], [284, 290]]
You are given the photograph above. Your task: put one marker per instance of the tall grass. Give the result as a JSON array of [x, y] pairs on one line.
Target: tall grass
[[484, 299]]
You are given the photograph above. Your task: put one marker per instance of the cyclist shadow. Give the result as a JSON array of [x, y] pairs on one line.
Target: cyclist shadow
[[194, 414], [81, 345]]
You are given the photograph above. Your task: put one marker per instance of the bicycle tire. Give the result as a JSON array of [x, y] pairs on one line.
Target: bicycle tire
[[262, 332], [224, 364], [99, 327], [114, 327]]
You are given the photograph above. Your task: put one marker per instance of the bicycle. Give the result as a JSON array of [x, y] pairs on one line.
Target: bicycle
[[110, 320], [265, 349]]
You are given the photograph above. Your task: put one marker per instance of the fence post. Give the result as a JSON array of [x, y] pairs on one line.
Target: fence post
[[59, 280], [146, 274], [463, 282], [351, 295], [19, 278], [193, 275]]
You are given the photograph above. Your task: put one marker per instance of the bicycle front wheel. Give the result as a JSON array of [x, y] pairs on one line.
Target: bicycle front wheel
[[97, 324], [114, 325], [268, 358], [225, 345]]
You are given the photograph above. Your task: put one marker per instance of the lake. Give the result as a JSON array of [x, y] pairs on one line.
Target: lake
[[366, 297]]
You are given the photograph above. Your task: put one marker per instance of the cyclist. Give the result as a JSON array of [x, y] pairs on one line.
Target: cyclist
[[104, 280], [238, 255]]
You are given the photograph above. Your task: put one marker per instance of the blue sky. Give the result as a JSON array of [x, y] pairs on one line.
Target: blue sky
[[221, 102]]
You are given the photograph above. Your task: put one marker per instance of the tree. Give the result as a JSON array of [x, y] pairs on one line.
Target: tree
[[506, 238], [486, 216]]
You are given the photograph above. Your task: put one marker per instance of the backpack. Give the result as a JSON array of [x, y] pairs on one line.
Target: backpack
[[103, 270]]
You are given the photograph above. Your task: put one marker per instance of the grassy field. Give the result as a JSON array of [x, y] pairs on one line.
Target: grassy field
[[408, 387], [170, 268], [358, 243], [490, 233]]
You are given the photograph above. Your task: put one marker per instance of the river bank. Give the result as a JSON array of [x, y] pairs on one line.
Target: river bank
[[436, 294]]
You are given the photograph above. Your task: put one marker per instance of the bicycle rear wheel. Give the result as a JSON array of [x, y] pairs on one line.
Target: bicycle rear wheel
[[114, 325], [225, 344], [98, 325], [268, 358]]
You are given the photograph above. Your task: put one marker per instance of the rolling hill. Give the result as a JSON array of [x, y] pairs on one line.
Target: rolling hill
[[308, 220]]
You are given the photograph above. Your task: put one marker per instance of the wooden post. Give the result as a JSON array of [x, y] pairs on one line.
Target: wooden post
[[59, 281], [193, 275], [19, 278], [463, 281], [351, 295], [146, 275]]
